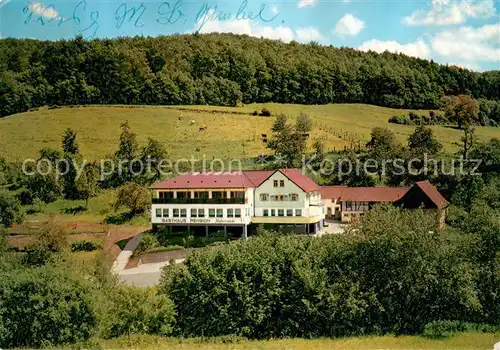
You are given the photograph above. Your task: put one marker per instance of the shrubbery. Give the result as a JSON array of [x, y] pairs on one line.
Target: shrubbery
[[392, 274], [84, 246], [47, 305], [447, 328], [58, 303], [148, 241], [265, 112], [139, 310], [413, 118]]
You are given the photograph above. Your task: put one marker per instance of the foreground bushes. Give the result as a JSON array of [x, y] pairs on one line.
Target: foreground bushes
[[392, 273], [136, 310], [45, 306], [58, 303]]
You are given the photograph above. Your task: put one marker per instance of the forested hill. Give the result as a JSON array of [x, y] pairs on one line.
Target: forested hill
[[221, 69]]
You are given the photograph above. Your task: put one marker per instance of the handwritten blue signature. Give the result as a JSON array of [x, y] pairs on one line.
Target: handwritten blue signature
[[167, 13], [48, 14]]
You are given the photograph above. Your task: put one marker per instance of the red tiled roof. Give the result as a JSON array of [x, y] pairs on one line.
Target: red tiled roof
[[331, 192], [373, 194], [432, 192], [301, 180], [207, 180], [364, 194], [244, 179], [257, 177]]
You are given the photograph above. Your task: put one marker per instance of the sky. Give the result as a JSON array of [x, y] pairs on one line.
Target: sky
[[464, 33]]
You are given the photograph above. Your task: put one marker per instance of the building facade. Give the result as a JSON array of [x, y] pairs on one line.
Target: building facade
[[349, 204], [234, 200]]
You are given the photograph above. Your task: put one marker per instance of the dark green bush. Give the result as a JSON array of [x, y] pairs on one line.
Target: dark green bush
[[84, 246], [265, 112], [148, 241], [443, 328], [138, 310], [46, 305], [399, 119], [447, 328], [416, 119]]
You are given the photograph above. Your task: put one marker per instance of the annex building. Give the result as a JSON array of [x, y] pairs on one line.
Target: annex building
[[348, 204]]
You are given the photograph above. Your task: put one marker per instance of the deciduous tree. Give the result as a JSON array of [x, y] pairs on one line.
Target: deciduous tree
[[11, 211], [133, 196]]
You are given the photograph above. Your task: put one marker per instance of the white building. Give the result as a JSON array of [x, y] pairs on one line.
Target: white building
[[235, 200]]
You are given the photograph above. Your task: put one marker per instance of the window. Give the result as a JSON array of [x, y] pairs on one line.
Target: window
[[218, 194], [237, 194], [183, 213], [266, 212], [168, 195], [230, 213], [289, 212], [211, 213], [237, 213], [183, 194], [273, 213], [348, 205], [275, 183], [220, 213], [298, 212], [194, 213], [203, 195], [294, 197], [264, 197], [176, 213], [158, 213], [282, 183], [165, 213], [247, 212], [281, 212], [201, 213], [278, 198]]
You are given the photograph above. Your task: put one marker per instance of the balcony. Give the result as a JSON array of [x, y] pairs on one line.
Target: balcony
[[199, 200]]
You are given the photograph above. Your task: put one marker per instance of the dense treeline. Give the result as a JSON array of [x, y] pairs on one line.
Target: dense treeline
[[222, 69]]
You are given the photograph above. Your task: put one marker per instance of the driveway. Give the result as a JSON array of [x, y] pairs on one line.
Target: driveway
[[144, 274], [334, 227]]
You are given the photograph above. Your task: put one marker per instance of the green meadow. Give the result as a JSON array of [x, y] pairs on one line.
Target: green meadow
[[230, 132]]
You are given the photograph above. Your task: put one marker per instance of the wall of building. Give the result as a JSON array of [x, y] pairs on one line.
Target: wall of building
[[245, 218], [267, 187]]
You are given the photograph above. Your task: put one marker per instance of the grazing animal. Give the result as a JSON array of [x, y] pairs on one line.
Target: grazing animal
[[181, 117], [192, 122], [203, 128]]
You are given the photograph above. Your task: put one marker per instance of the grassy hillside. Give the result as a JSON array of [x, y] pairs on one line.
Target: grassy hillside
[[231, 132]]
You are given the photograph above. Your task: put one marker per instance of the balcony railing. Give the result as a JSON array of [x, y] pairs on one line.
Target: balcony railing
[[199, 200]]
